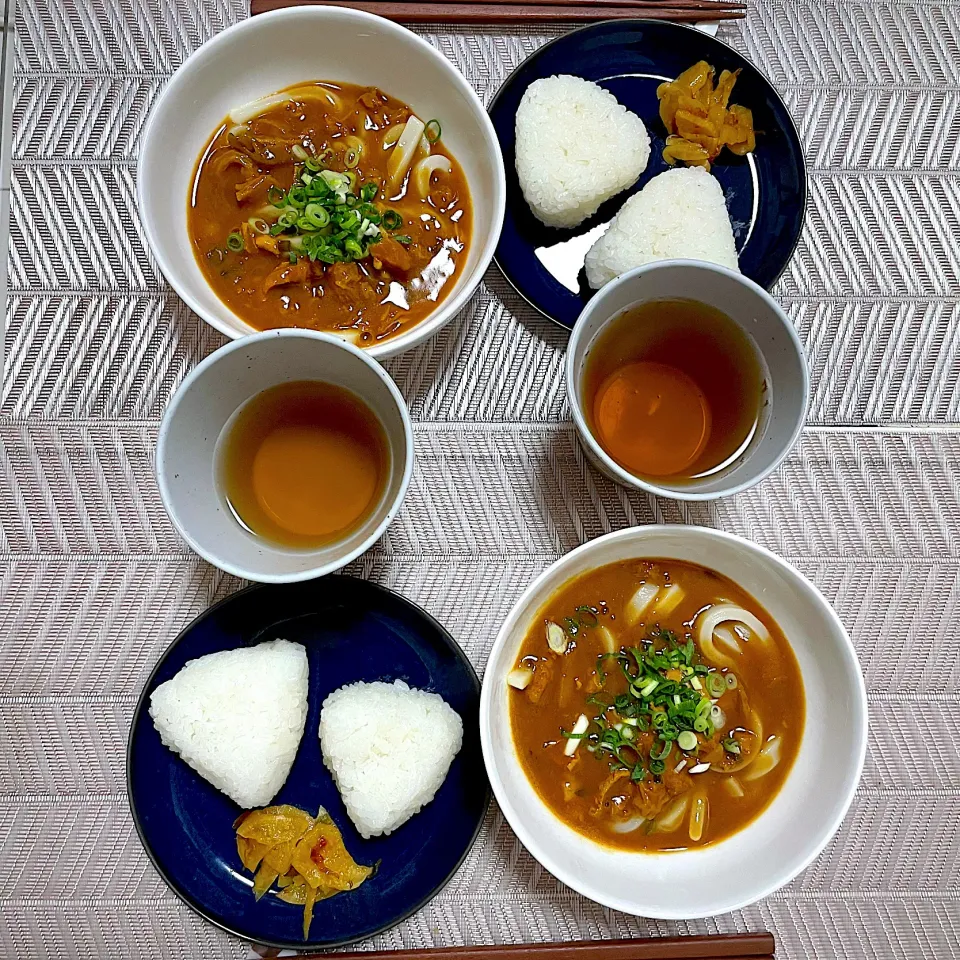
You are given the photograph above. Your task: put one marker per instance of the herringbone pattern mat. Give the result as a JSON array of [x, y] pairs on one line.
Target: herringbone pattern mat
[[94, 581]]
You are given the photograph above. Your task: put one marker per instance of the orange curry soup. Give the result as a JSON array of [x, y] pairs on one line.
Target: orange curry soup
[[655, 705], [309, 209]]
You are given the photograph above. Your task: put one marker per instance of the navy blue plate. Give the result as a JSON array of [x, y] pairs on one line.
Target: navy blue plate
[[766, 192], [352, 630]]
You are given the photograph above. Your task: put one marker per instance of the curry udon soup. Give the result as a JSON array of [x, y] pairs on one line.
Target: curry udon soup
[[329, 206], [655, 705]]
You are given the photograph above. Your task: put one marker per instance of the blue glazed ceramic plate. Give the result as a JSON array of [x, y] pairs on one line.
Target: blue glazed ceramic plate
[[765, 192], [352, 630]]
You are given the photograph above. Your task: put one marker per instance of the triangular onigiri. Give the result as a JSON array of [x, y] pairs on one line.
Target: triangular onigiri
[[237, 717], [680, 214], [389, 748]]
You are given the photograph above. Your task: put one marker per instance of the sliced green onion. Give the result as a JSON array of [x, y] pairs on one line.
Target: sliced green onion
[[687, 741], [661, 752], [235, 242], [732, 746], [299, 152], [649, 687], [731, 681], [369, 191], [432, 131], [391, 220], [351, 158], [276, 196], [402, 238], [657, 767], [292, 257], [716, 684], [259, 224], [316, 214], [313, 164], [587, 616], [297, 195]]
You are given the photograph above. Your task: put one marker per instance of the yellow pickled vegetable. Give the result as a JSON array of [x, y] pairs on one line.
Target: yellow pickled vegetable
[[305, 856], [699, 118]]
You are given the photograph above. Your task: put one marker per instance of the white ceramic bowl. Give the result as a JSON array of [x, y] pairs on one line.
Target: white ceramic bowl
[[205, 402], [803, 816], [749, 305], [261, 55]]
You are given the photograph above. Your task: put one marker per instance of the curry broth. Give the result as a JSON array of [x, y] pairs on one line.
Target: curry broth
[[267, 282], [303, 464], [586, 791], [675, 388]]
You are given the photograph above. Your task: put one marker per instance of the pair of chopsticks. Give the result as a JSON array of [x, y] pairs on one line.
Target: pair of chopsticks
[[732, 946], [519, 11]]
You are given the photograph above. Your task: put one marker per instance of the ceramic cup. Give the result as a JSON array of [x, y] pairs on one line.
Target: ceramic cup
[[210, 396], [756, 312]]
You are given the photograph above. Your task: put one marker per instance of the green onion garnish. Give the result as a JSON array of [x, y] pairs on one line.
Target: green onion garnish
[[332, 217], [716, 684], [432, 131], [662, 751], [391, 220], [667, 693], [235, 242], [587, 616]]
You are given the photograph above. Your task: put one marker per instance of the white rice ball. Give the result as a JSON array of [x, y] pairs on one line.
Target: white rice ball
[[576, 147], [389, 748], [237, 717], [679, 214]]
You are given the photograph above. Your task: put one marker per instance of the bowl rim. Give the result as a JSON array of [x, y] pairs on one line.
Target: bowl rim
[[450, 305], [515, 819], [201, 370], [793, 131], [586, 434]]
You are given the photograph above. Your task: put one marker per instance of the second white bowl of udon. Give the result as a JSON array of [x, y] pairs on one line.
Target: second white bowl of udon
[[800, 820]]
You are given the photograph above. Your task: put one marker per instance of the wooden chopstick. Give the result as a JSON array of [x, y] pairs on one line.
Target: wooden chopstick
[[638, 4], [420, 11], [733, 946]]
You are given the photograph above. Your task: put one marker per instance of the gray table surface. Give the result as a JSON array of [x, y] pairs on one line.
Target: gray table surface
[[94, 582]]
